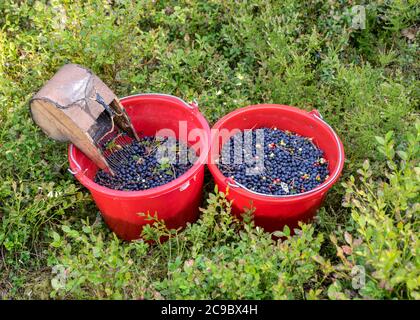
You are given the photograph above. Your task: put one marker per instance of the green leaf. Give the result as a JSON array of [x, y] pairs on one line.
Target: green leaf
[[55, 236], [96, 252], [334, 291], [403, 155], [348, 238], [278, 234], [380, 140], [57, 240], [87, 229], [366, 164], [66, 229], [286, 231]]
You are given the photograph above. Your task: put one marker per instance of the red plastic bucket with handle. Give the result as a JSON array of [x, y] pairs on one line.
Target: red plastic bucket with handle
[[274, 212], [176, 202]]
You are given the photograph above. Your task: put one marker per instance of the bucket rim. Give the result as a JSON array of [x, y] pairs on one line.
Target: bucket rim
[[177, 183], [314, 115]]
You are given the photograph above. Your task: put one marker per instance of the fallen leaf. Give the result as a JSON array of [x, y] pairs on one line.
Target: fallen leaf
[[409, 33], [348, 238], [347, 250]]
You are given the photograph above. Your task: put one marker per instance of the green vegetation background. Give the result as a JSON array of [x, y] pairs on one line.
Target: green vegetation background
[[226, 54]]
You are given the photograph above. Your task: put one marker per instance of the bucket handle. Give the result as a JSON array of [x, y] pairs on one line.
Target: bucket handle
[[79, 168], [193, 105], [231, 183], [72, 172], [317, 114]]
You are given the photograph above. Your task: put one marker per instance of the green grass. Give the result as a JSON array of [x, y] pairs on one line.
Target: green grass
[[226, 55]]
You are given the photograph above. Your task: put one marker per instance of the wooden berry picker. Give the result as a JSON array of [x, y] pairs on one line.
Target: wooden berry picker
[[116, 145], [76, 106]]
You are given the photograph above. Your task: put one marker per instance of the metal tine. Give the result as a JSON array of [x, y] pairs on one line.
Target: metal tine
[[116, 160], [114, 156], [113, 163], [119, 159]]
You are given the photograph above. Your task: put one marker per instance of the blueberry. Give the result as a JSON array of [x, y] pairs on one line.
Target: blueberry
[[292, 163], [132, 174]]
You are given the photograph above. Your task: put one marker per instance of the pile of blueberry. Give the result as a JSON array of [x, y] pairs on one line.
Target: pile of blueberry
[[274, 162], [147, 163]]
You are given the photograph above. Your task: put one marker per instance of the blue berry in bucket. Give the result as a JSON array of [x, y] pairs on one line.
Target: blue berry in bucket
[[145, 164], [274, 162]]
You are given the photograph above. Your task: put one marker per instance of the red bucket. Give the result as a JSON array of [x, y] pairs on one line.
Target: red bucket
[[274, 212], [176, 202]]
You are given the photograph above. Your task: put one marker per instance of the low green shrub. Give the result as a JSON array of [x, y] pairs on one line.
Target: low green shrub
[[216, 258], [234, 261], [91, 265], [380, 256]]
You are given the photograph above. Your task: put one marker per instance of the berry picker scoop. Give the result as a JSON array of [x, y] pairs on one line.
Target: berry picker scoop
[[75, 105]]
